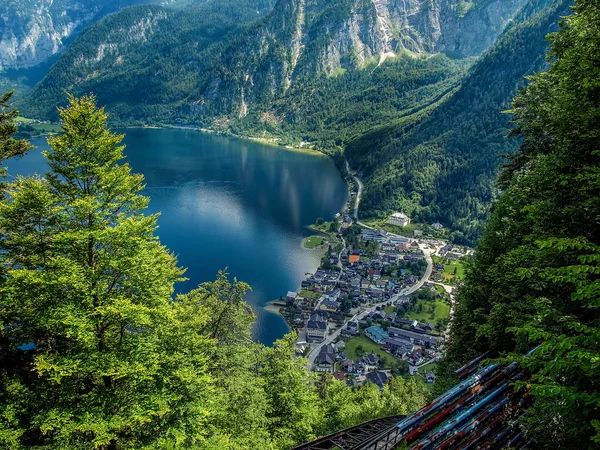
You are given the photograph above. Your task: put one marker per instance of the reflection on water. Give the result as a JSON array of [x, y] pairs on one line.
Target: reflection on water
[[231, 203]]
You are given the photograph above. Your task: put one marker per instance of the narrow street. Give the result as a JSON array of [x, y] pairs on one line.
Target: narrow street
[[316, 348]]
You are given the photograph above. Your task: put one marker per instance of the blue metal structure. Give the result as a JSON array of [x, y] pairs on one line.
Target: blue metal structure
[[481, 412]]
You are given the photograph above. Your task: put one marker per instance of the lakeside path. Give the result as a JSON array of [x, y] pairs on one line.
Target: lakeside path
[[314, 351]]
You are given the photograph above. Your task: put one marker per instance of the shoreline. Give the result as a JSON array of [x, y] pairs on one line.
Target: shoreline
[[271, 307], [264, 141], [258, 140]]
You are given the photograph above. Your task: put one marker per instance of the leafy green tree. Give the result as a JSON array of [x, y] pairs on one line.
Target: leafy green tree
[[294, 414], [239, 405], [399, 367], [88, 290], [536, 276], [347, 407]]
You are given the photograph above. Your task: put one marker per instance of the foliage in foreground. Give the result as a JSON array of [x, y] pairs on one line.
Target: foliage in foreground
[[96, 353], [536, 275]]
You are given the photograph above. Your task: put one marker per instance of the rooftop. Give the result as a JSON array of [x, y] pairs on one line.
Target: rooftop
[[377, 332]]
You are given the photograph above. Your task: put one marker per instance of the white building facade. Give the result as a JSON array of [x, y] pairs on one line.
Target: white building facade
[[399, 219]]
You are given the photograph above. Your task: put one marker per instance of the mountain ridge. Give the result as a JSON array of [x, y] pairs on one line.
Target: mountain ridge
[[32, 32], [442, 165], [298, 38]]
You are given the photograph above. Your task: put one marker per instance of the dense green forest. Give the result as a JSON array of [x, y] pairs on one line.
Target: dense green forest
[[330, 111], [535, 278], [94, 350], [441, 164], [150, 53]]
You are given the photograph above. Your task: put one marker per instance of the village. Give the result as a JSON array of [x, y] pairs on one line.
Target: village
[[380, 303]]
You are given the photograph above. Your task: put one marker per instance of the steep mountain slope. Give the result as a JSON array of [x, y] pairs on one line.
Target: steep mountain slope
[[142, 60], [441, 166], [31, 32], [330, 111], [299, 38]]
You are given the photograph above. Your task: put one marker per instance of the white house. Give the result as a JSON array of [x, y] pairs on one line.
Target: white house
[[399, 219]]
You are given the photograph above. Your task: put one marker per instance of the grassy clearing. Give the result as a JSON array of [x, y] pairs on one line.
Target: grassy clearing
[[431, 367], [454, 271], [337, 72], [314, 241], [368, 346], [46, 127], [439, 289], [309, 294], [29, 128], [325, 227], [441, 311]]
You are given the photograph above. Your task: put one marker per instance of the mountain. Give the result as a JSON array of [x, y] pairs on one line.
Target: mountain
[[259, 63], [397, 83], [32, 32], [441, 165], [141, 60]]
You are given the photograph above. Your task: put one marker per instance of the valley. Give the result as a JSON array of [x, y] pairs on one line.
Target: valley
[[395, 204]]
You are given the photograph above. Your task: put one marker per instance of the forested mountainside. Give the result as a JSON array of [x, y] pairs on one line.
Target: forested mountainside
[[246, 72], [331, 73], [330, 111], [31, 32], [535, 278], [441, 165], [142, 61]]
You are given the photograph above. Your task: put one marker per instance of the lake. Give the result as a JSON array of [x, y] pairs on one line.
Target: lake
[[230, 203]]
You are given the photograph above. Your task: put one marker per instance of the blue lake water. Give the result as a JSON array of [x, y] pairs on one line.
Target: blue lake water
[[232, 203]]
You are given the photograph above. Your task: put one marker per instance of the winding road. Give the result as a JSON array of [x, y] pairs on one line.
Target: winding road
[[358, 197]]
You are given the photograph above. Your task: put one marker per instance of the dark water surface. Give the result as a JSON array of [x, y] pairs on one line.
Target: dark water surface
[[230, 203]]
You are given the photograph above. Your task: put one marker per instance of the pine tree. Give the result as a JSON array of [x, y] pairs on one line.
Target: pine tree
[[9, 147], [88, 290]]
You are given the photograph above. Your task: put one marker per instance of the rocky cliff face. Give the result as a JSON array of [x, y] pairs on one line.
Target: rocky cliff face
[[32, 31], [458, 27], [303, 37], [225, 76], [469, 30]]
